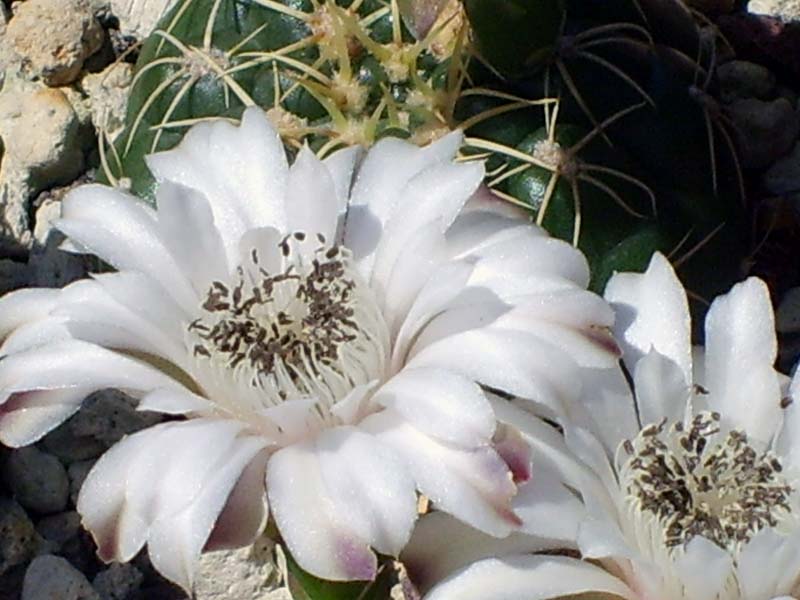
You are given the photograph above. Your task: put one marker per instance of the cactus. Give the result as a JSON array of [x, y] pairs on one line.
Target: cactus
[[328, 73], [636, 155]]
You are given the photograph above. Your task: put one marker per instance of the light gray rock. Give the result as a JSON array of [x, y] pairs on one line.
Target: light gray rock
[[786, 10], [742, 79], [117, 582], [52, 578], [77, 472], [41, 133], [108, 97], [54, 37], [37, 479], [58, 529], [766, 130], [18, 539], [138, 18], [254, 573]]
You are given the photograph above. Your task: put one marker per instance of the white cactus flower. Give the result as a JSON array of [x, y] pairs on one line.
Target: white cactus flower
[[326, 339], [690, 488]]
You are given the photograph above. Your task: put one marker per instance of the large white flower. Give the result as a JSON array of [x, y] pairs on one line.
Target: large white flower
[[327, 337], [690, 490]]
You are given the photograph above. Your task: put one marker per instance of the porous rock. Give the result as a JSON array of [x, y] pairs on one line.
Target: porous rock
[[117, 582], [55, 37], [38, 480], [51, 577], [18, 539]]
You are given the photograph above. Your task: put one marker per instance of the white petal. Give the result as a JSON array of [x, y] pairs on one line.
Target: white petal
[[592, 347], [341, 165], [474, 230], [606, 408], [386, 170], [600, 538], [509, 361], [474, 485], [311, 205], [241, 170], [370, 487], [91, 314], [780, 551], [72, 363], [652, 311], [245, 512], [441, 545], [23, 306], [177, 537], [530, 254], [315, 534], [661, 390], [123, 231], [175, 402], [423, 254], [187, 227], [442, 287], [36, 333], [528, 577], [442, 404], [165, 486], [703, 569], [27, 416], [787, 444], [434, 196], [547, 508], [740, 353]]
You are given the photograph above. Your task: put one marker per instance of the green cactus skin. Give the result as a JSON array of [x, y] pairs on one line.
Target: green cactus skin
[[328, 72], [667, 170]]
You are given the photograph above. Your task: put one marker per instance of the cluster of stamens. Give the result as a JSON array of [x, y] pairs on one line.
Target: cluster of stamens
[[290, 324], [697, 480]]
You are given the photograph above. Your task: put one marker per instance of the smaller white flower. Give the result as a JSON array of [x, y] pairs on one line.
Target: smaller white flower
[[328, 337], [689, 489]]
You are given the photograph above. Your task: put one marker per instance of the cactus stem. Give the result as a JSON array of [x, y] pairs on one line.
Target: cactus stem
[[322, 95], [611, 193], [590, 56], [262, 57], [209, 30], [171, 109], [625, 177], [511, 199], [146, 106], [374, 16], [573, 89], [286, 10], [501, 177], [681, 260], [548, 193], [612, 28], [397, 33], [167, 60], [598, 130], [296, 80], [576, 229], [178, 14], [101, 146], [235, 49], [505, 150]]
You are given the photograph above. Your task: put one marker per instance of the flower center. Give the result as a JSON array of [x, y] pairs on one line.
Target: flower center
[[305, 327], [698, 481]]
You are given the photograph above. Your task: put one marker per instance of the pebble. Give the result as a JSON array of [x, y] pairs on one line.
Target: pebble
[[18, 539], [55, 37], [52, 578], [784, 176], [108, 97], [742, 79], [108, 415], [786, 10], [766, 130], [252, 573], [117, 582], [59, 528], [38, 480], [77, 472]]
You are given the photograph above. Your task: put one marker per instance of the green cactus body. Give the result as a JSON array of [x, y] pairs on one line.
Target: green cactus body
[[328, 73], [639, 74]]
